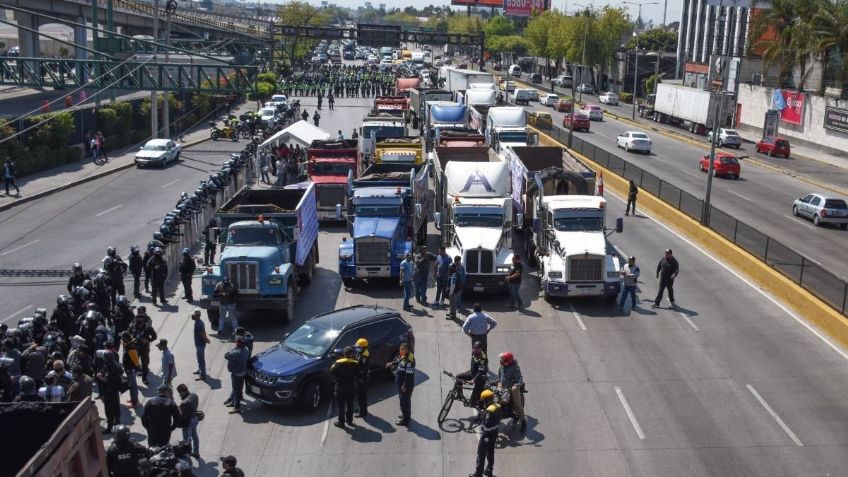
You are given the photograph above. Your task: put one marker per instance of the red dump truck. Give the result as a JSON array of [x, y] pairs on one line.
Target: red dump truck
[[328, 164]]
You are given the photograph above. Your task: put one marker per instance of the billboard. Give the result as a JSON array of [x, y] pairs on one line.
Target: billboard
[[790, 104], [523, 8], [479, 3], [836, 119]]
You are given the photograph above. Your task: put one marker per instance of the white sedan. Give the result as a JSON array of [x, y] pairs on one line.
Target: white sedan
[[158, 152], [593, 112], [549, 100], [634, 141], [609, 98]]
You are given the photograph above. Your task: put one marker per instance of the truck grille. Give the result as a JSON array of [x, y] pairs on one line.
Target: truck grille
[[586, 269], [261, 377], [372, 251], [244, 275], [479, 261], [330, 194]]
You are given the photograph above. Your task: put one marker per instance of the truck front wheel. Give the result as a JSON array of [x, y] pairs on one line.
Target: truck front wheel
[[214, 317], [288, 313]]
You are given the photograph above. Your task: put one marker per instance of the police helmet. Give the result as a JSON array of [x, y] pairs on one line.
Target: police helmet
[[183, 195], [88, 284], [157, 236], [6, 363], [157, 251], [91, 315], [122, 433], [27, 385], [91, 306], [362, 343], [134, 249], [225, 280], [486, 395], [62, 300], [111, 251], [121, 300], [77, 267], [42, 312], [186, 251]]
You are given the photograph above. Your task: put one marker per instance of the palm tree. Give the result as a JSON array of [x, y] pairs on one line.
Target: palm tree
[[831, 31], [784, 35]]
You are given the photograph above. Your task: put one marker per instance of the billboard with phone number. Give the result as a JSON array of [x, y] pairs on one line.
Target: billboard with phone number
[[479, 3], [523, 8]]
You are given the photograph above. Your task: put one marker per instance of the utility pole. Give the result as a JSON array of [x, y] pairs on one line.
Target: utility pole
[[636, 62], [166, 107], [154, 95], [583, 61]]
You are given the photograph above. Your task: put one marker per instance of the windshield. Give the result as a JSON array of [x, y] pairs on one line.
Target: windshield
[[252, 236], [377, 210], [311, 340], [472, 219], [729, 160], [513, 136], [155, 147], [409, 157], [639, 136], [835, 204], [579, 224], [330, 168], [383, 131]]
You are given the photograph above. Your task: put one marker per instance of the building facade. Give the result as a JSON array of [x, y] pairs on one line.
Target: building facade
[[705, 30]]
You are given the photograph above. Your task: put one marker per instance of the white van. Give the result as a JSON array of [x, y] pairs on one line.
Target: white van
[[514, 70], [525, 95]]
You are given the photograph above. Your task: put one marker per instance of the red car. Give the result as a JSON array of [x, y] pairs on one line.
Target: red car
[[564, 105], [581, 122], [774, 146], [724, 165]]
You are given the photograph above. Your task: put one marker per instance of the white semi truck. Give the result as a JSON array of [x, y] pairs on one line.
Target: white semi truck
[[507, 126], [692, 108]]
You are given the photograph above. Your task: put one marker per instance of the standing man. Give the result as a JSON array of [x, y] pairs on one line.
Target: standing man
[[345, 372], [479, 371], [187, 268], [478, 325], [109, 386], [237, 366], [169, 367], [228, 463], [460, 280], [123, 456], [81, 387], [513, 280], [188, 418], [631, 198], [406, 276], [403, 367], [158, 274], [136, 267], [209, 243], [362, 357], [144, 334], [667, 270], [423, 269], [9, 176], [160, 417], [201, 339], [443, 262], [132, 365], [227, 293], [486, 446], [629, 277]]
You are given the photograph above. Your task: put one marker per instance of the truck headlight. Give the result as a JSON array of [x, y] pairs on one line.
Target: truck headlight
[[502, 269], [345, 255], [275, 281], [208, 282], [613, 274], [285, 379], [555, 275]]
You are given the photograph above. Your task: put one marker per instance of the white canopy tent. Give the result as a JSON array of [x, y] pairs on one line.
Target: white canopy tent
[[300, 132]]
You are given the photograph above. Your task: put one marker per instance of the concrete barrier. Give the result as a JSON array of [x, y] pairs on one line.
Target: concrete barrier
[[794, 296]]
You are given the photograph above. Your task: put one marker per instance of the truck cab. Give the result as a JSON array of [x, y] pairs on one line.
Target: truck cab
[[400, 150], [328, 165], [506, 126]]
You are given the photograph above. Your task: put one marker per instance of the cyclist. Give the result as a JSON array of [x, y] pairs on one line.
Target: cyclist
[[478, 372]]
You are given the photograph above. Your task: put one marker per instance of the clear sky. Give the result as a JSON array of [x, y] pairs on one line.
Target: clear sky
[[649, 12]]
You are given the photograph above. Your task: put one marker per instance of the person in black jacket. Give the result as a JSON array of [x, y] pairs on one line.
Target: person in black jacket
[[667, 270], [78, 277], [161, 416], [109, 385], [187, 268], [144, 334], [136, 268], [158, 269], [363, 357], [123, 456], [631, 198], [9, 176], [479, 371], [345, 372]]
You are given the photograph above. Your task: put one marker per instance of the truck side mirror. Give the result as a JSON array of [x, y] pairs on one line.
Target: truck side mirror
[[519, 221], [339, 212], [418, 211], [619, 225], [437, 218], [534, 139], [296, 234], [337, 353]]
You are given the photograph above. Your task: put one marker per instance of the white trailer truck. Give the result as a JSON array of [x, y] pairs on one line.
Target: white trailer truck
[[692, 108], [507, 126]]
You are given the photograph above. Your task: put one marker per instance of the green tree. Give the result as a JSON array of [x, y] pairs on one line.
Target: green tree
[[610, 29], [831, 30], [263, 93], [499, 26], [300, 13], [654, 40], [785, 36], [402, 19]]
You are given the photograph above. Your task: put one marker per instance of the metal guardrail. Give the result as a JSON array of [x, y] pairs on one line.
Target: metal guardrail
[[805, 272]]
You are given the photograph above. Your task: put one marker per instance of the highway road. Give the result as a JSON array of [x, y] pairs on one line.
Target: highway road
[[47, 236], [761, 198]]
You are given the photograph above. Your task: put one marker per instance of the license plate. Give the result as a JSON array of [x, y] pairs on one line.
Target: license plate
[[254, 389], [214, 303], [478, 288], [373, 273]]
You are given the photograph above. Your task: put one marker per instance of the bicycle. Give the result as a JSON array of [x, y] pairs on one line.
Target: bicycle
[[455, 394]]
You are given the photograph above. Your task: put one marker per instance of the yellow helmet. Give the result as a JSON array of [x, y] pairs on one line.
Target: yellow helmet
[[487, 394], [362, 343]]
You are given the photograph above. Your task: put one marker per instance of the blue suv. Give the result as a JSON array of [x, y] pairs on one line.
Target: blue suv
[[297, 370]]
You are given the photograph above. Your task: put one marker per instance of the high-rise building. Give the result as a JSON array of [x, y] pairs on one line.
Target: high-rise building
[[707, 30]]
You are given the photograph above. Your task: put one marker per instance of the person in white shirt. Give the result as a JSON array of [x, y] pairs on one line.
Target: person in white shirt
[[629, 278]]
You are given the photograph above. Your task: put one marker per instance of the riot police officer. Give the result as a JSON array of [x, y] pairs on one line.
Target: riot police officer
[[109, 385], [209, 243], [115, 268], [158, 270], [29, 391], [103, 292], [63, 315], [144, 334], [136, 267], [77, 277], [187, 268], [123, 456], [122, 315]]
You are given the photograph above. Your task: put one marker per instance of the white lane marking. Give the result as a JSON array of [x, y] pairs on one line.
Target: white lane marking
[[774, 415], [620, 252], [109, 210], [802, 222], [630, 415], [691, 173], [577, 317], [689, 320], [739, 195], [747, 282], [19, 312], [7, 252], [326, 424], [163, 186]]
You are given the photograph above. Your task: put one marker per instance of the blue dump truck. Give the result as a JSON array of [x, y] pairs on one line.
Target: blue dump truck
[[389, 208], [270, 249]]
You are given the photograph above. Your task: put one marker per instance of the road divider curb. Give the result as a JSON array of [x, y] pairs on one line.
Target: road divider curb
[[83, 180], [804, 303]]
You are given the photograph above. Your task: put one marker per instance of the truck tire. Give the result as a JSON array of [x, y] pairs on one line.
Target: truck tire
[[305, 278], [310, 396], [214, 317], [288, 312]]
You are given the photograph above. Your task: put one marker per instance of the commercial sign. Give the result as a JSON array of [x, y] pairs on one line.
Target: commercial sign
[[523, 8], [479, 3], [790, 104], [836, 119]]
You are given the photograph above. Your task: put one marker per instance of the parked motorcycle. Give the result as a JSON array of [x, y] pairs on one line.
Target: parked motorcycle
[[226, 132]]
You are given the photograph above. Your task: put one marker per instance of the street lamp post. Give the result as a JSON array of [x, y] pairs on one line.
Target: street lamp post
[[166, 107], [154, 95], [636, 62]]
